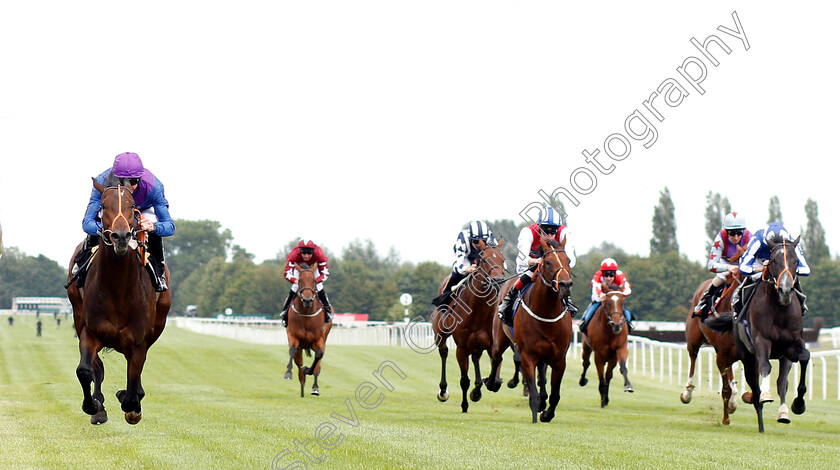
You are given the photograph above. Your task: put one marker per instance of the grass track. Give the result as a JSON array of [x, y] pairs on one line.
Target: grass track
[[217, 403]]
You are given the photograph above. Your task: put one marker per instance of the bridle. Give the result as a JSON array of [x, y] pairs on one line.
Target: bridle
[[767, 276], [489, 280], [300, 292], [609, 315], [552, 282], [104, 233]]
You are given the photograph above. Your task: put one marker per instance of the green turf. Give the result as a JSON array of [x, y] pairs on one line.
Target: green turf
[[218, 403]]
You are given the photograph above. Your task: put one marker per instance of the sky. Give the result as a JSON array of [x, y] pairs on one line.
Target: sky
[[398, 121]]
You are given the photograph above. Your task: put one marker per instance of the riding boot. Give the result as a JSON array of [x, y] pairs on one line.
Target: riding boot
[[155, 244], [325, 302], [284, 314], [802, 297], [446, 296], [706, 304], [82, 260], [506, 306]]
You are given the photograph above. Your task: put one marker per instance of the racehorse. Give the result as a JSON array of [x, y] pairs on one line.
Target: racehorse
[[697, 334], [607, 338], [306, 329], [118, 308], [469, 320], [543, 328], [770, 327], [501, 343]]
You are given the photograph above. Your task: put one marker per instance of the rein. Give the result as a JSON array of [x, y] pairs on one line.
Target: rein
[[774, 279]]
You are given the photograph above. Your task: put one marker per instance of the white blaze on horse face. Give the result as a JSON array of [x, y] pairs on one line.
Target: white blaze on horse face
[[615, 299]]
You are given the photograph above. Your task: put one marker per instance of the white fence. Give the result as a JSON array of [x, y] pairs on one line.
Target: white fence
[[667, 362]]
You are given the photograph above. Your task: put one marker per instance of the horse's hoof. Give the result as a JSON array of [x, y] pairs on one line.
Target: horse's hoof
[[583, 381], [132, 417], [783, 418], [546, 417], [475, 395], [512, 383], [725, 421], [685, 397], [732, 407], [443, 396], [316, 392], [287, 376], [798, 406], [766, 397], [99, 418], [91, 407], [305, 370], [747, 397], [629, 389]]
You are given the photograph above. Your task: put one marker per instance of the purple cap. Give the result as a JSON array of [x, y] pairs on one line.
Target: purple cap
[[128, 165]]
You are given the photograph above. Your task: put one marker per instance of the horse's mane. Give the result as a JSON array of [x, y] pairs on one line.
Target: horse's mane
[[553, 244], [111, 180]]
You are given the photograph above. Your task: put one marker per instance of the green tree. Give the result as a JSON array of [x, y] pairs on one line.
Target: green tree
[[194, 244], [663, 286], [823, 291], [716, 209], [664, 226], [28, 276], [1, 242], [775, 210], [814, 237], [423, 282]]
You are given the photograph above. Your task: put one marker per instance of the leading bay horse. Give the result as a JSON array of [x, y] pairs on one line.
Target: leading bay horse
[[607, 338], [543, 327], [469, 320], [770, 327], [118, 308], [697, 334], [306, 329]]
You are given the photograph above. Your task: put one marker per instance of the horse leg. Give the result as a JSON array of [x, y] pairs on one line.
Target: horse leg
[[475, 395], [517, 367], [464, 365], [133, 393], [585, 354], [604, 377], [443, 350], [316, 371], [528, 369], [300, 368], [732, 371], [88, 349], [781, 389], [557, 372], [751, 374], [799, 402], [292, 353], [541, 379], [622, 367], [762, 356], [726, 389], [685, 396], [98, 376], [494, 382], [319, 354]]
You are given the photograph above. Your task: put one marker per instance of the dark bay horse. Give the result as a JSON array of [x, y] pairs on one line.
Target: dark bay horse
[[118, 308], [607, 338], [501, 343], [770, 327], [469, 320], [543, 327], [697, 334], [306, 329]]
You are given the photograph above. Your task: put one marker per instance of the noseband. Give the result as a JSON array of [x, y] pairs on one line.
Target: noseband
[[105, 234], [609, 315], [775, 279], [554, 283]]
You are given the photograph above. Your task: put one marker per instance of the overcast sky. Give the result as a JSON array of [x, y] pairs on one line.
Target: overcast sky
[[399, 121]]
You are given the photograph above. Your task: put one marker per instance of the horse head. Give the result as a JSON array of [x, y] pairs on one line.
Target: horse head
[[613, 306], [554, 267], [491, 263], [782, 266], [307, 286], [119, 222]]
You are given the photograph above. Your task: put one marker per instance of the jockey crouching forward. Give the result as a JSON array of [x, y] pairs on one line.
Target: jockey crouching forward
[[549, 227], [467, 250], [307, 252], [149, 199], [726, 250], [615, 279], [755, 260]]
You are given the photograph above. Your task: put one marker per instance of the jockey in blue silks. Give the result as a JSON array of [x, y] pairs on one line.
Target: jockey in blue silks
[[755, 260], [149, 199]]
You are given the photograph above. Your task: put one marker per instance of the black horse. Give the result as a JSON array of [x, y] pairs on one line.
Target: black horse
[[770, 327]]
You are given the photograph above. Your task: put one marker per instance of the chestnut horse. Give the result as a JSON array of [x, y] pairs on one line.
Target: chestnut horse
[[697, 334], [770, 327], [118, 308], [607, 338], [469, 320], [306, 329], [543, 327]]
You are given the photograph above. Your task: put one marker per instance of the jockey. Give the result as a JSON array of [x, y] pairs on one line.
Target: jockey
[[550, 227], [307, 252], [615, 280], [149, 199], [467, 249], [757, 256], [726, 250]]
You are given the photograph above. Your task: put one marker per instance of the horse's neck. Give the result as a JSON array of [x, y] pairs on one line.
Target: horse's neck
[[541, 297], [116, 270]]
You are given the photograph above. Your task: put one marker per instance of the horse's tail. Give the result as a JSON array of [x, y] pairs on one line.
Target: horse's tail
[[722, 322], [308, 352]]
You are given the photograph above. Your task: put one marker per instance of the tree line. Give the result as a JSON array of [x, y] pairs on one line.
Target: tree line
[[210, 271]]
